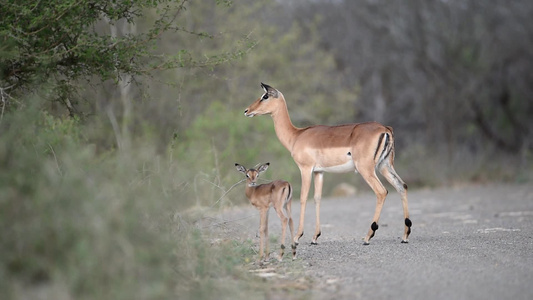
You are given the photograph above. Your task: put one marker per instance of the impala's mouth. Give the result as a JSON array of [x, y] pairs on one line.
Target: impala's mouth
[[246, 113]]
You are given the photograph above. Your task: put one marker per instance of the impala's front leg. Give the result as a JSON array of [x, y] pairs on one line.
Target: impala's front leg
[[306, 184], [263, 227], [319, 180]]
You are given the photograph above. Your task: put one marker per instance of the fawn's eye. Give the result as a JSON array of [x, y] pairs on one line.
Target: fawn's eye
[[265, 96]]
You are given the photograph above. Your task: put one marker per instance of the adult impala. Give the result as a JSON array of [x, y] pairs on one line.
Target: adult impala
[[362, 147]]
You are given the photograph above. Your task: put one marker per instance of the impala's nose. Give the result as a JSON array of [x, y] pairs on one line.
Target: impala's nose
[[248, 114]]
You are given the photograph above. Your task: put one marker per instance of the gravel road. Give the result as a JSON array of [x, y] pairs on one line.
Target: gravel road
[[471, 242]]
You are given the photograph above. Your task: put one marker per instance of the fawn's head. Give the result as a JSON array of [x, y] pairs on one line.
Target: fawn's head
[[268, 103], [253, 173]]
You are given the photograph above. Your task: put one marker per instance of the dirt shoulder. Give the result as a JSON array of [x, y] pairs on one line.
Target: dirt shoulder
[[467, 242]]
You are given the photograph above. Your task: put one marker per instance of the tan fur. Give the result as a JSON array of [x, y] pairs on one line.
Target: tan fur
[[317, 149], [278, 194]]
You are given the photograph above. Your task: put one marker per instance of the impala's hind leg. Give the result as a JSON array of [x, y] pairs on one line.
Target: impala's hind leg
[[387, 170], [381, 192]]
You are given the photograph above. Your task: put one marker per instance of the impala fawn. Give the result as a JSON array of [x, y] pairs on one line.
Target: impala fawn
[[278, 194]]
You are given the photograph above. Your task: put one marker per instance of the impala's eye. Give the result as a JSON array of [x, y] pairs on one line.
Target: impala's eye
[[265, 96]]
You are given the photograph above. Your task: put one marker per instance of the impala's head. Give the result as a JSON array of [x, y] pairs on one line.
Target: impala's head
[[252, 174], [266, 104]]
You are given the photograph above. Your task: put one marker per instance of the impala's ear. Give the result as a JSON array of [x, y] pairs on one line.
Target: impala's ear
[[272, 92], [263, 167], [240, 168]]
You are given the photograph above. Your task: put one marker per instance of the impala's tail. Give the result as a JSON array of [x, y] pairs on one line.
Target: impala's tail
[[287, 197], [385, 147]]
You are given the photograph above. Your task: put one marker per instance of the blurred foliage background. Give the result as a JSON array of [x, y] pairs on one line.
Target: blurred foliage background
[[118, 117]]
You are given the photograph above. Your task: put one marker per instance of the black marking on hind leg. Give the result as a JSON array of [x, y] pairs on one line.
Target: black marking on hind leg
[[282, 247], [405, 186], [315, 243], [408, 222], [374, 226], [293, 246], [298, 238]]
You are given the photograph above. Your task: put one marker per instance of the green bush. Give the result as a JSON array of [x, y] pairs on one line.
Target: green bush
[[76, 224]]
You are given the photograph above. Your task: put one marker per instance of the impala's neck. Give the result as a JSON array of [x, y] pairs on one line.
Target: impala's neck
[[249, 190], [285, 131]]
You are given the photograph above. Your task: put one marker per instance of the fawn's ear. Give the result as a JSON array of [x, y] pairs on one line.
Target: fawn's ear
[[240, 168], [263, 167]]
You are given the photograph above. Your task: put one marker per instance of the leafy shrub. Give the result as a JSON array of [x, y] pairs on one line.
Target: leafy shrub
[[75, 224]]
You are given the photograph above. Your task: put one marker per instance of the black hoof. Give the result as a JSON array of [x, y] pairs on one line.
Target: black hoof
[[366, 243], [314, 243], [405, 242]]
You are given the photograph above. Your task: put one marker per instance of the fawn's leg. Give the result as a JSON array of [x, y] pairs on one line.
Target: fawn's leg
[[291, 227], [262, 231], [284, 220]]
